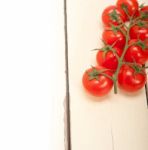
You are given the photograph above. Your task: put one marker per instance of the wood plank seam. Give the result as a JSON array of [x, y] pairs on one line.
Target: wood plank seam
[[67, 99]]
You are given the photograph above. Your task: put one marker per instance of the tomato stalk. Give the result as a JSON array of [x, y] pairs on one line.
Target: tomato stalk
[[132, 22], [124, 7], [120, 60]]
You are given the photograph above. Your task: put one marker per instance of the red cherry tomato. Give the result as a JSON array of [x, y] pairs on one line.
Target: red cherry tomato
[[144, 8], [131, 78], [136, 53], [131, 5], [108, 58], [139, 32], [145, 11], [95, 83], [113, 15], [110, 37]]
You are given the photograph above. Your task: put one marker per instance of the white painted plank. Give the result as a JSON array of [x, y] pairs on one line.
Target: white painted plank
[[32, 75], [93, 123]]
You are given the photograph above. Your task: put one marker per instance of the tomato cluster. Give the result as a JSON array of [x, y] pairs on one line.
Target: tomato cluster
[[121, 61]]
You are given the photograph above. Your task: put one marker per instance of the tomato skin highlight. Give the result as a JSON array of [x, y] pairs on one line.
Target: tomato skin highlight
[[100, 87], [136, 54], [129, 80], [137, 32], [108, 60], [106, 15], [132, 6], [110, 37]]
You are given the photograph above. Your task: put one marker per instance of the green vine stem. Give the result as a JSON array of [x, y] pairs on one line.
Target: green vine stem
[[120, 60]]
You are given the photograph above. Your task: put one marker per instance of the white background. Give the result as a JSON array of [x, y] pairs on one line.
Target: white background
[[31, 81]]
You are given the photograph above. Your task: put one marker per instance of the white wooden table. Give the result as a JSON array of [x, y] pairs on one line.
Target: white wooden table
[[120, 122], [32, 81]]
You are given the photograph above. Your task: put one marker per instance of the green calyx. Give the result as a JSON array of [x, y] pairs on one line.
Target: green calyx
[[94, 74], [125, 8], [142, 24], [106, 48], [141, 44], [137, 69], [142, 5], [114, 16], [115, 29], [144, 15]]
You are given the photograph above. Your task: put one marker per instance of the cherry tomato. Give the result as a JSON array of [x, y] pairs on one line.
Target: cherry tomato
[[144, 8], [145, 11], [110, 37], [139, 32], [137, 52], [131, 78], [131, 5], [96, 83], [108, 58], [113, 15]]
